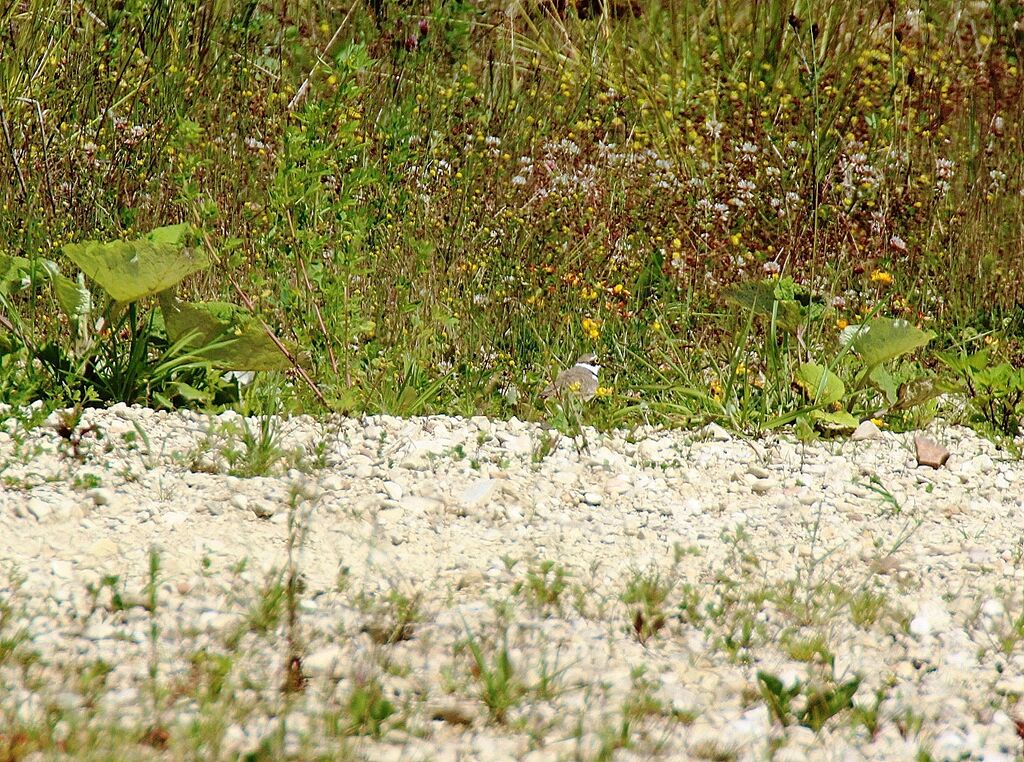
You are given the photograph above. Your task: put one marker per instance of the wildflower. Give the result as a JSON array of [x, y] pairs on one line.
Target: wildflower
[[842, 323], [713, 128], [592, 328], [604, 391], [898, 243], [881, 277], [771, 267], [656, 326], [944, 169]]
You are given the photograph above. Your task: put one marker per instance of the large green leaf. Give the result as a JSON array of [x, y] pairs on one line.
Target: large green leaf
[[821, 385], [13, 270], [883, 339], [74, 298], [884, 382], [176, 235], [224, 333], [755, 296], [791, 305], [838, 420], [131, 270]]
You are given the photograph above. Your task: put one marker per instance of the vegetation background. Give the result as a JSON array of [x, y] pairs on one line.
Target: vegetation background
[[440, 203]]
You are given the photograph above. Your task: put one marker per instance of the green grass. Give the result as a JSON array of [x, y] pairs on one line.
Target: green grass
[[440, 206]]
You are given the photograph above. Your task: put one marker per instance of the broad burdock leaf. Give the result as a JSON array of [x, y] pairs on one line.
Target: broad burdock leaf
[[822, 386], [131, 270], [838, 420], [224, 333], [790, 304], [882, 339]]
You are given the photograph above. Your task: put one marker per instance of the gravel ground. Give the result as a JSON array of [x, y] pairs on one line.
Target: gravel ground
[[470, 589]]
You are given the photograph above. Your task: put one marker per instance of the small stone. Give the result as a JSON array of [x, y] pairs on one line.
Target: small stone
[[323, 663], [453, 712], [105, 548], [716, 433], [930, 453], [419, 505], [173, 518], [930, 617], [263, 509], [478, 493], [592, 498], [99, 631], [470, 580], [40, 509], [240, 501], [1011, 684], [102, 496], [866, 431], [993, 608], [393, 490]]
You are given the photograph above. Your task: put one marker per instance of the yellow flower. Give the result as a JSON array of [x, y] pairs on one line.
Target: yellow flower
[[881, 276], [878, 422], [842, 323], [604, 391], [591, 327], [655, 326]]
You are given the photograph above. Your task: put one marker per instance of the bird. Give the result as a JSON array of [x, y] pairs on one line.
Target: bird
[[579, 380]]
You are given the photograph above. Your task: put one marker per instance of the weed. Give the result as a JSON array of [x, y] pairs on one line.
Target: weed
[[396, 619], [544, 585], [645, 597], [812, 648], [368, 708], [500, 684], [818, 704], [893, 507], [866, 606]]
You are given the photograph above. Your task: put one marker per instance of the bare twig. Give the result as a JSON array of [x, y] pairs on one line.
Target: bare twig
[[10, 149], [300, 94], [46, 152], [303, 374]]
